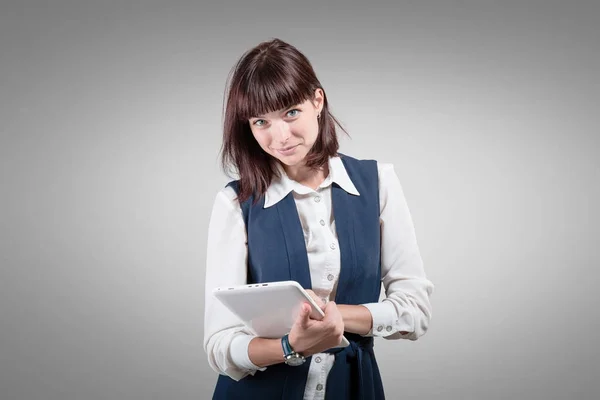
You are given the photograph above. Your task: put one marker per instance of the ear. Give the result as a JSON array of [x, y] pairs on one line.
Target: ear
[[319, 99]]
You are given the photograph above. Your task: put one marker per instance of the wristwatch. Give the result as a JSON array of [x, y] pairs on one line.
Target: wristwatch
[[289, 355]]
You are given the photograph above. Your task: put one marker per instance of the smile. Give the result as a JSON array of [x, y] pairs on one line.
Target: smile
[[287, 150]]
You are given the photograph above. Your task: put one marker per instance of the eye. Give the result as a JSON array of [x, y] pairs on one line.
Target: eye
[[293, 113], [259, 122]]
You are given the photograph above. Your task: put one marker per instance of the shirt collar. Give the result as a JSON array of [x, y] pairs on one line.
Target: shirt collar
[[282, 185]]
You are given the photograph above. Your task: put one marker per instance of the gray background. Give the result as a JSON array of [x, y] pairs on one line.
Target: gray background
[[110, 124]]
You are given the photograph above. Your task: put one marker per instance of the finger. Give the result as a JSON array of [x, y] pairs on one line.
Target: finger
[[317, 299], [304, 316], [320, 303], [330, 306], [331, 311]]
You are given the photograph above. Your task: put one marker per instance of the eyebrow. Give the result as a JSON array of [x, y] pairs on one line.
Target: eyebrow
[[283, 109]]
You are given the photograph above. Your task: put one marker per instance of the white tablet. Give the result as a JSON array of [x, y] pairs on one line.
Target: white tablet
[[269, 310]]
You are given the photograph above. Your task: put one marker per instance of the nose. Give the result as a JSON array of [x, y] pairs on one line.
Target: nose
[[281, 132]]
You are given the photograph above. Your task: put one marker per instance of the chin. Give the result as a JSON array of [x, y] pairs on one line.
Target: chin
[[291, 161], [288, 162]]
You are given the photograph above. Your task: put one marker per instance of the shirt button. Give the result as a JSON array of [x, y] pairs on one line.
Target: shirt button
[[317, 199], [332, 246], [318, 359], [330, 277], [389, 329], [379, 328], [319, 387], [322, 222]]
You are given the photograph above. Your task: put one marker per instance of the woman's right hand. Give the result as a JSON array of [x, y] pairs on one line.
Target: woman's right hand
[[309, 336]]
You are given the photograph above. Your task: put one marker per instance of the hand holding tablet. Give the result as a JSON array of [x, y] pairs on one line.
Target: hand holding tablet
[[270, 310]]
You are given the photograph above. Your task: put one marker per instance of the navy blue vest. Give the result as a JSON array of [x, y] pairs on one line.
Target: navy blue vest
[[277, 252]]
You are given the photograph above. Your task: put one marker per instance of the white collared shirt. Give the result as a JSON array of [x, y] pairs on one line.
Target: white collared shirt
[[406, 305]]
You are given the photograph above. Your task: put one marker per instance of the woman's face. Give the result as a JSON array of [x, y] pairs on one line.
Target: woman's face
[[289, 134]]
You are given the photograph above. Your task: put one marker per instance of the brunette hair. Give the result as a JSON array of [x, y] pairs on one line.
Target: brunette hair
[[272, 76]]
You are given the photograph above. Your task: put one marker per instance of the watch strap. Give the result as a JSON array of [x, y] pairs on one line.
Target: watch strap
[[285, 344]]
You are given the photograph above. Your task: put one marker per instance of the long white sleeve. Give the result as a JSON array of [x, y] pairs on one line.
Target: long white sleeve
[[406, 306], [225, 337]]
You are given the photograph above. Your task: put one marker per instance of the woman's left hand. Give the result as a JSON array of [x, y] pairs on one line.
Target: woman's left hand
[[317, 299]]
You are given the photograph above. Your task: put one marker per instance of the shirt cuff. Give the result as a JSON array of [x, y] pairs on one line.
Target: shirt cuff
[[386, 322], [239, 353]]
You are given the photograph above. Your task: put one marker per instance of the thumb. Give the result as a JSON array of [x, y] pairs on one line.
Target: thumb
[[304, 315]]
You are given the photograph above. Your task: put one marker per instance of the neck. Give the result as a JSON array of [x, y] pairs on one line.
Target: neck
[[307, 176]]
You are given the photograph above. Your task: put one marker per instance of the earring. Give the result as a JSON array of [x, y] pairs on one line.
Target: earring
[[319, 115]]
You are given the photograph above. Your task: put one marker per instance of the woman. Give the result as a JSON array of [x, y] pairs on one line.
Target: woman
[[301, 211]]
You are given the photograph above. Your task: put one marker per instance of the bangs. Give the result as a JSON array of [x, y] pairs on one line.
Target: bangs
[[269, 89], [272, 76]]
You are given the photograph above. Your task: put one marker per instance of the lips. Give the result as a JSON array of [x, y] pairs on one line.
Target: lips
[[287, 151], [287, 148]]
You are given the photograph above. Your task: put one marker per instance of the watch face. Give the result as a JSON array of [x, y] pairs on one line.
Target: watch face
[[294, 360]]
